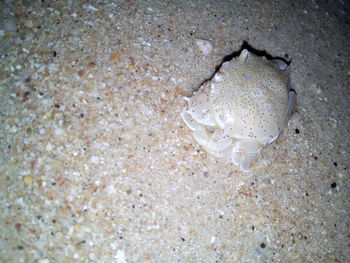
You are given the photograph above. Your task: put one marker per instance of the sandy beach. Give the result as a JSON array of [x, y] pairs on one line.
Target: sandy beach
[[96, 164]]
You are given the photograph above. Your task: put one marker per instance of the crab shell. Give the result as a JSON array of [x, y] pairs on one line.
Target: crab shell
[[242, 108]]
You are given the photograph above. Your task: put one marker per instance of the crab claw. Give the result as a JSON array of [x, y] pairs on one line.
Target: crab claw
[[190, 122], [244, 153], [219, 145], [243, 160]]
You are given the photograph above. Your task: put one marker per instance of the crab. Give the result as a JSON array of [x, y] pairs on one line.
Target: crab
[[244, 107]]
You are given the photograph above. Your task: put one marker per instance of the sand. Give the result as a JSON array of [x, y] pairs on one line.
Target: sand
[[96, 164]]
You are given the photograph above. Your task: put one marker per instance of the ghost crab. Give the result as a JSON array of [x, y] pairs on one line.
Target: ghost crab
[[242, 108]]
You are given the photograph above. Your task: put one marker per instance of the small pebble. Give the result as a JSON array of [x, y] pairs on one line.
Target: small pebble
[[149, 10], [90, 7], [18, 226], [28, 23], [120, 256], [52, 67], [10, 24], [92, 256], [41, 131], [28, 180], [13, 129], [205, 46], [59, 131], [49, 147], [115, 57], [95, 159]]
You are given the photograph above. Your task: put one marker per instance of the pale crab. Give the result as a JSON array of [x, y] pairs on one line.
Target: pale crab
[[242, 108]]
